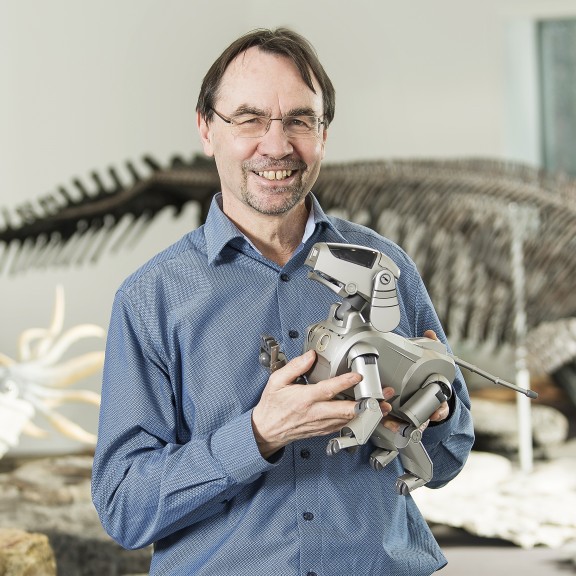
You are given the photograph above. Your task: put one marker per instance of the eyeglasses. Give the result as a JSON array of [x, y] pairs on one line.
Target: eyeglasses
[[254, 126]]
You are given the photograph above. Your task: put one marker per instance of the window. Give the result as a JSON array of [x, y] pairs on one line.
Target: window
[[557, 64]]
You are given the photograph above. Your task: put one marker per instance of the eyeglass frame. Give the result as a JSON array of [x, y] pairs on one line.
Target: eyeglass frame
[[231, 123]]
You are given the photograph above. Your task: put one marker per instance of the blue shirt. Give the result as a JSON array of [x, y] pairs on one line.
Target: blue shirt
[[176, 462]]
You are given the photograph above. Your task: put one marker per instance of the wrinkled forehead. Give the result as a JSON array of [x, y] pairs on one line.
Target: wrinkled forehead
[[266, 81]]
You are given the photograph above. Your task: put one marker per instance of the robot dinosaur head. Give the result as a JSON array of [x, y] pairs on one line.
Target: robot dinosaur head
[[350, 270]]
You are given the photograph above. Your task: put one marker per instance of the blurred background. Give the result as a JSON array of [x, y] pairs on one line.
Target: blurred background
[[85, 86], [89, 85]]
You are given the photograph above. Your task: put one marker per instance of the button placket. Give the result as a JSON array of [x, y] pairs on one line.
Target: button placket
[[289, 312], [307, 502]]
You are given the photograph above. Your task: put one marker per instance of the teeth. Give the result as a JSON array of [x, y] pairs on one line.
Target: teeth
[[275, 174]]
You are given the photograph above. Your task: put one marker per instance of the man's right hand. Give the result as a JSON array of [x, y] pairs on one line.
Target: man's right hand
[[288, 411]]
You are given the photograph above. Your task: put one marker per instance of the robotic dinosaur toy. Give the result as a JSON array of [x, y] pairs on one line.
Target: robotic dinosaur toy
[[357, 336]]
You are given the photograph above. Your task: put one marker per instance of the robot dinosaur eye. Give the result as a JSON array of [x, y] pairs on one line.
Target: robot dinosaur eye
[[365, 258]]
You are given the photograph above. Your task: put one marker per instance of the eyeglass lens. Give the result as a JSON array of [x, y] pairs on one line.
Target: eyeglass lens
[[253, 127]]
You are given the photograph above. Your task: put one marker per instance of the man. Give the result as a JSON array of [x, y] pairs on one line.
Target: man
[[200, 451]]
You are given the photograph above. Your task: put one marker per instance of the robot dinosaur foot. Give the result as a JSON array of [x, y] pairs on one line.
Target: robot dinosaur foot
[[342, 442], [381, 458], [408, 482]]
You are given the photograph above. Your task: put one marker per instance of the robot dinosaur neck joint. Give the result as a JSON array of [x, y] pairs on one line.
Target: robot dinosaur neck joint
[[352, 303]]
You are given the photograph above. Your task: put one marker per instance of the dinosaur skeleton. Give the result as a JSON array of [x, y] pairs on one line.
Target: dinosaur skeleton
[[449, 215]]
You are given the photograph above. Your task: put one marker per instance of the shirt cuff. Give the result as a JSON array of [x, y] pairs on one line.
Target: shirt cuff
[[436, 432], [235, 447]]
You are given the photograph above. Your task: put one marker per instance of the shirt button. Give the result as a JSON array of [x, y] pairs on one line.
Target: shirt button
[[305, 453], [308, 516], [293, 333], [284, 277]]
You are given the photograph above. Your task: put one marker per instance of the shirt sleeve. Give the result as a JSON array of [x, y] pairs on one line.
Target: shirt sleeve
[[448, 443], [146, 484]]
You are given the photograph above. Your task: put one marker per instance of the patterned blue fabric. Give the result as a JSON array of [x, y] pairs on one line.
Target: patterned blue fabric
[[176, 462]]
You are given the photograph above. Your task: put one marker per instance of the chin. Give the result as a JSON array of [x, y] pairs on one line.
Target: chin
[[275, 203]]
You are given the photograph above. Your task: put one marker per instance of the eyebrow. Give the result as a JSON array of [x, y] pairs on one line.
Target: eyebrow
[[246, 109]]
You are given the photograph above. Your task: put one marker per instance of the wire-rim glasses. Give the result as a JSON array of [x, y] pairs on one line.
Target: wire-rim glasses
[[256, 126]]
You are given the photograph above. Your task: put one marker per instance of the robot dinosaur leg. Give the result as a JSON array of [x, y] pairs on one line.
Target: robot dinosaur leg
[[418, 467], [363, 359], [407, 443], [359, 429]]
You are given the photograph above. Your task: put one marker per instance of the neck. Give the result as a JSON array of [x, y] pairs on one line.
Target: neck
[[276, 236]]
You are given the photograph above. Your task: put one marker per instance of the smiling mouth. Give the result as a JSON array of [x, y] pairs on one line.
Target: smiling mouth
[[275, 174]]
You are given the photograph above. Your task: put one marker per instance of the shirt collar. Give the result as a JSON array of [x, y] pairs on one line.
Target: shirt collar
[[220, 231]]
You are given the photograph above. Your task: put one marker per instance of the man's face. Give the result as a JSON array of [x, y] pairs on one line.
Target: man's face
[[273, 173]]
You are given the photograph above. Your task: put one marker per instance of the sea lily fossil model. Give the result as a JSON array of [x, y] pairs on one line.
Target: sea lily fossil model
[[37, 381]]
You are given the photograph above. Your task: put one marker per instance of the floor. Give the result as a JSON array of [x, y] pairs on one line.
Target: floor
[[474, 556], [470, 555]]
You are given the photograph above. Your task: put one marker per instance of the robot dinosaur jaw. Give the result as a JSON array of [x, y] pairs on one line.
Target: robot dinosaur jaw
[[329, 282]]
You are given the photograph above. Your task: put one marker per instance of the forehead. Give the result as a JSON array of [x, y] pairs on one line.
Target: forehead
[[268, 82]]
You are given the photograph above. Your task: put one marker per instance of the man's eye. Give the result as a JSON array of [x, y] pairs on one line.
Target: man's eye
[[295, 121], [248, 120], [300, 122]]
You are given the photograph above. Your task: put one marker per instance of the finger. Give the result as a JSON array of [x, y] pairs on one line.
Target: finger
[[331, 415], [393, 424], [396, 426], [388, 392], [385, 407], [322, 427], [441, 413], [296, 367], [430, 334], [328, 389]]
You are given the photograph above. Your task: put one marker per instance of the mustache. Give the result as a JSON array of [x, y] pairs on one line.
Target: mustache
[[263, 166]]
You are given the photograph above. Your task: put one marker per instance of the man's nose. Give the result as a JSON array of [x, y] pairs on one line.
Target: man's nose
[[275, 143]]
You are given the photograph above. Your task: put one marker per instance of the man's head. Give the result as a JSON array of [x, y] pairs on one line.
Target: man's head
[[263, 113], [283, 42]]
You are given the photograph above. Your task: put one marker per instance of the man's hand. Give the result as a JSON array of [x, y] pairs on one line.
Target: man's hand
[[440, 414], [443, 411], [288, 411]]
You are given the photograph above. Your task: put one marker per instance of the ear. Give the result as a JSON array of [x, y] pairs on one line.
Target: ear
[[205, 136], [324, 137]]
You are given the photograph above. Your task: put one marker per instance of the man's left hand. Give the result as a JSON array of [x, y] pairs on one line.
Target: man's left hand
[[394, 424]]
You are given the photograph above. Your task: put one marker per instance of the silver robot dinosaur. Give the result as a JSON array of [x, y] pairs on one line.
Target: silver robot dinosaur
[[357, 336]]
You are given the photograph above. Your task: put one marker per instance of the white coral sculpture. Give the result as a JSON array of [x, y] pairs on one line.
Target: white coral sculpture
[[38, 381]]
